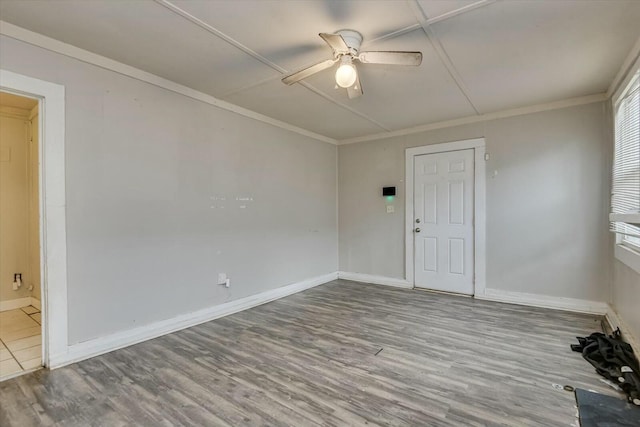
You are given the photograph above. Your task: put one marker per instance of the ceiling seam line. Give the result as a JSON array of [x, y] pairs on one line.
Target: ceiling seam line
[[393, 34], [439, 18], [346, 107], [249, 86], [197, 21], [444, 57], [442, 54], [460, 11], [317, 92]]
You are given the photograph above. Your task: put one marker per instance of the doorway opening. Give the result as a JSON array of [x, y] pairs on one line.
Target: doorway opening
[[20, 266], [49, 236], [445, 217]]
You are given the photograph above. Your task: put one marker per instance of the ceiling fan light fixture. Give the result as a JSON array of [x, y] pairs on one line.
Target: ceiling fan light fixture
[[346, 75], [345, 45]]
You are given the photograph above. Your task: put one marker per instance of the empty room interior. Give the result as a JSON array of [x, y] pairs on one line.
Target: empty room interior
[[322, 212]]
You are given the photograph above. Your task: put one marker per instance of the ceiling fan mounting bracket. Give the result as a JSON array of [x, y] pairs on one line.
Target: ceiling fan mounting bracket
[[352, 38]]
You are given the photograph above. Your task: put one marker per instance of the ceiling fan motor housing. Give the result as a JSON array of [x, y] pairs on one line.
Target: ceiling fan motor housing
[[352, 38]]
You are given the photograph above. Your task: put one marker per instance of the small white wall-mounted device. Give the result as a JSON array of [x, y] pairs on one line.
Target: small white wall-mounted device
[[224, 280]]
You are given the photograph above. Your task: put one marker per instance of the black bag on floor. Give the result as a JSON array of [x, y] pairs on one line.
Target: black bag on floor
[[614, 360]]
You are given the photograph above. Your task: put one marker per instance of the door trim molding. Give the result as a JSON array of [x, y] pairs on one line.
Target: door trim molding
[[53, 234], [479, 206]]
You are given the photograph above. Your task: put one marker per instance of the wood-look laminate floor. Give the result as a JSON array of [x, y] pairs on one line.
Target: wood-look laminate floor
[[315, 358]]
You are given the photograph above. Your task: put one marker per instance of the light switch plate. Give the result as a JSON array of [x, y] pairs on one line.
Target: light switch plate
[[391, 209]]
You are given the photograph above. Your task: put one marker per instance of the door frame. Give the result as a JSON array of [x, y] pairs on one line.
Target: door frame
[[52, 198], [479, 206]]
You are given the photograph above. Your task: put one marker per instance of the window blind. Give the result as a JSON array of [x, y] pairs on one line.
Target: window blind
[[625, 197]]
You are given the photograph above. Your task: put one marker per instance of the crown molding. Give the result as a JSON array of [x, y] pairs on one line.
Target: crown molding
[[53, 45], [565, 103]]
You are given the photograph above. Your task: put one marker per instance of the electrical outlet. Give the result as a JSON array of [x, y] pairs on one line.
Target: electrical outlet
[[390, 209], [17, 281]]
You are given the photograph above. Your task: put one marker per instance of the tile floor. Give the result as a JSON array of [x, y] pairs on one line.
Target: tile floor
[[20, 341]]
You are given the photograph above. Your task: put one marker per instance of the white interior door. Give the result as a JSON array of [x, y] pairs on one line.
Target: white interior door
[[443, 221]]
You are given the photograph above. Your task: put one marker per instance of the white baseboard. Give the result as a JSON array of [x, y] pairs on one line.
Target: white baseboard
[[98, 346], [615, 321], [12, 304], [376, 280], [545, 301], [519, 298], [36, 303]]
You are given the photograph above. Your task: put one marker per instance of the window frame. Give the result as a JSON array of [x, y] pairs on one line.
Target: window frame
[[625, 251]]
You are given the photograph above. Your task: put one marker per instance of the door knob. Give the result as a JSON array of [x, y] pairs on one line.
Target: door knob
[[417, 230], [418, 221]]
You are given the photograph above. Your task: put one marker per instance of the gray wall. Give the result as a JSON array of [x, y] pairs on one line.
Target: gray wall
[[626, 296], [147, 231], [546, 209]]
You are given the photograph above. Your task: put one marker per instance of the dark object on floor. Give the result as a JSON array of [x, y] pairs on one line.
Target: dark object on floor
[[600, 410], [614, 360], [569, 388]]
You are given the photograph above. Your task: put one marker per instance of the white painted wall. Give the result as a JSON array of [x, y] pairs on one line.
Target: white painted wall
[[147, 169], [546, 209]]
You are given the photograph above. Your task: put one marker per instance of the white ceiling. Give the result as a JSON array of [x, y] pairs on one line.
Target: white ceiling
[[479, 56]]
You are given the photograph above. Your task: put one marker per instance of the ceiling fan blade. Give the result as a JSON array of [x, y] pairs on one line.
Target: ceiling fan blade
[[306, 72], [336, 42], [355, 90], [391, 58]]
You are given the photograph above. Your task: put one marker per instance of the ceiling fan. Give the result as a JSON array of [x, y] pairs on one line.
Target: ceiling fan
[[346, 50]]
